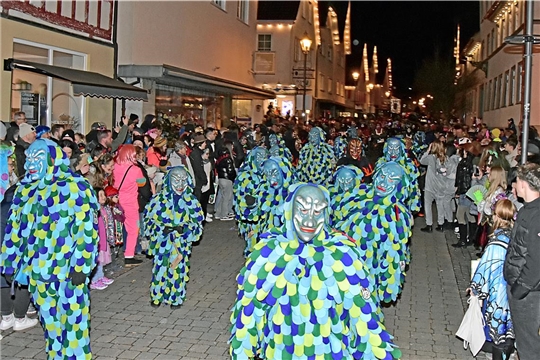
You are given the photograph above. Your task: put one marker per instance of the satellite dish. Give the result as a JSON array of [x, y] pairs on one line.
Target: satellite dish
[[355, 42]]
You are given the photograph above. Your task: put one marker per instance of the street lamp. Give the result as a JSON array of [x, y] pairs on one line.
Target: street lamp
[[356, 75], [305, 45], [387, 94]]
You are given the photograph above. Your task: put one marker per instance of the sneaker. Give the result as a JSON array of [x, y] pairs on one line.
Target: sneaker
[[209, 218], [98, 285], [107, 281], [24, 323], [31, 310], [227, 218], [230, 214], [7, 322], [132, 262]]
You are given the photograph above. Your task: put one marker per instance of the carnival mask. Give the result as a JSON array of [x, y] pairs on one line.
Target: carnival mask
[[179, 180], [393, 149], [309, 206], [314, 137], [273, 173], [260, 156], [355, 149], [387, 179], [274, 150], [345, 179], [273, 140], [36, 160]]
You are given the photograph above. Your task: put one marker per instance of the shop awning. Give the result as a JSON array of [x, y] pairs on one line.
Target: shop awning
[[187, 80], [84, 83]]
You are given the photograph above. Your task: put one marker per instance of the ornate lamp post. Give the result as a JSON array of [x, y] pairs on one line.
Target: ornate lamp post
[[305, 45]]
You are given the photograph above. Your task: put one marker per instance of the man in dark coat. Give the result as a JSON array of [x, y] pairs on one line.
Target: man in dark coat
[[522, 264]]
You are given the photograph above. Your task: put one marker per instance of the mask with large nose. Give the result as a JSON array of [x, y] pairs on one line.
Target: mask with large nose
[[387, 178], [308, 212], [314, 137], [36, 160], [345, 179], [179, 180], [273, 173], [393, 149]]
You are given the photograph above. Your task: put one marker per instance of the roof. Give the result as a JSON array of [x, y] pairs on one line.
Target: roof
[[277, 10], [340, 7]]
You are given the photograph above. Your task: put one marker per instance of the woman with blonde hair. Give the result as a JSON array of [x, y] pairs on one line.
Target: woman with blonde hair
[[489, 284], [439, 184]]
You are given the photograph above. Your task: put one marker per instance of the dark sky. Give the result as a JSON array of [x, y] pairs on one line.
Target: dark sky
[[408, 32]]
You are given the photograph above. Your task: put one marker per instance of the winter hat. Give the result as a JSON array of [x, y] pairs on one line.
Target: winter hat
[[42, 129], [159, 142], [99, 126], [133, 117], [68, 134], [25, 129], [110, 191], [199, 139]]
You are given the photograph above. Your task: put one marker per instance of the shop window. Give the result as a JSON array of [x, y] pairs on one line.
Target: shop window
[[264, 42], [241, 109], [46, 100], [329, 85]]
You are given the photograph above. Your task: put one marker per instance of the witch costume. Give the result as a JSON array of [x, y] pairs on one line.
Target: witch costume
[[305, 294], [173, 222], [381, 227], [317, 161], [51, 245]]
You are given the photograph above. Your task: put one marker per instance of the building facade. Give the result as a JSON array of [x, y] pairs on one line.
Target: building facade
[[46, 46], [316, 88], [194, 58], [491, 72]]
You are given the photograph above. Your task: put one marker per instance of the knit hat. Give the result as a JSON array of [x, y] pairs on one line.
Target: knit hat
[[110, 191], [42, 129], [133, 117], [159, 142], [25, 129], [68, 134]]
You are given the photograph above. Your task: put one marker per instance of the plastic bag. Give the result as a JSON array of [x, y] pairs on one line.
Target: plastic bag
[[471, 329]]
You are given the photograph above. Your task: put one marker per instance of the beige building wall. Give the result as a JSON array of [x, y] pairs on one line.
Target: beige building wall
[[193, 35], [100, 59]]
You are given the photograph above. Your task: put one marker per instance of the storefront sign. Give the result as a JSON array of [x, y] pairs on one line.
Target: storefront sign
[[30, 106]]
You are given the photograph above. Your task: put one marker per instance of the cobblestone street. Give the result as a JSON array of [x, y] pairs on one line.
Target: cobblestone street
[[124, 326]]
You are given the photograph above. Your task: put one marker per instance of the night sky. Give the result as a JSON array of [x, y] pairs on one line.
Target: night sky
[[408, 32]]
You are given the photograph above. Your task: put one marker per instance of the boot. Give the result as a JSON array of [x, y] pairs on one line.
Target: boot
[[473, 233], [427, 228], [463, 238], [440, 228]]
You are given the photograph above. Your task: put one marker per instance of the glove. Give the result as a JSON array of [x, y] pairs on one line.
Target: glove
[[250, 200], [77, 278]]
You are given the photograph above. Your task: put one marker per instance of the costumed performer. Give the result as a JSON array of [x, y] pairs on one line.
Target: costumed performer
[[51, 245], [173, 222], [346, 192], [305, 294], [381, 227], [316, 162]]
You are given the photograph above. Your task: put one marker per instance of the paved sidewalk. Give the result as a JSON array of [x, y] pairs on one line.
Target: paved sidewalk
[[124, 326]]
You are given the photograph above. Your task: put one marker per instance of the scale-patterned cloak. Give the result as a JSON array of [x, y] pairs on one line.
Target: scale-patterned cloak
[[316, 163], [341, 203], [272, 199], [246, 185], [311, 300], [414, 201], [381, 228], [172, 223]]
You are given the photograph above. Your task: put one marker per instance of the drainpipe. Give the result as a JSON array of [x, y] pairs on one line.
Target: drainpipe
[[115, 60]]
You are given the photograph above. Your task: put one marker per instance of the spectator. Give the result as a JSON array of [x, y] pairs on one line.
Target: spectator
[[100, 172], [81, 164], [522, 264], [200, 161], [147, 123], [511, 148], [157, 154], [56, 132], [180, 157], [128, 177], [19, 118], [27, 135], [226, 175]]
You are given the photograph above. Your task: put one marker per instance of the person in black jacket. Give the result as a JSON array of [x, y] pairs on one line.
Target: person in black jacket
[[226, 174], [354, 157], [522, 264]]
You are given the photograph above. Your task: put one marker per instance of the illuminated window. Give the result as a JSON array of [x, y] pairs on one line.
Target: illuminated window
[[506, 83], [518, 82], [511, 87], [264, 42]]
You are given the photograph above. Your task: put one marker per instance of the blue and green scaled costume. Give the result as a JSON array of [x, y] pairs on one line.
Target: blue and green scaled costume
[[173, 222], [381, 228], [272, 196], [340, 147], [316, 162], [343, 202], [306, 300], [245, 190], [278, 147], [411, 170], [51, 235]]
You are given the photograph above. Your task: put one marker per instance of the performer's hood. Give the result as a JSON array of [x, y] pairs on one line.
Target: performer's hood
[[45, 162], [357, 173], [285, 168]]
